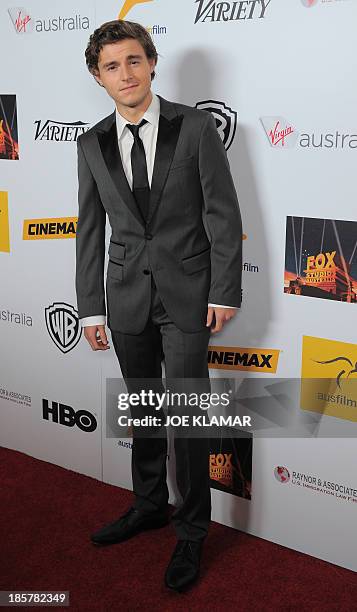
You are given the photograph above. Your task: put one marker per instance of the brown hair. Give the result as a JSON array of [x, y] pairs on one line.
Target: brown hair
[[113, 31]]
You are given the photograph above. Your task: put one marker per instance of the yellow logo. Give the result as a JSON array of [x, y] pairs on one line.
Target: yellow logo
[[329, 377], [4, 223], [53, 228], [128, 5], [238, 358], [221, 468]]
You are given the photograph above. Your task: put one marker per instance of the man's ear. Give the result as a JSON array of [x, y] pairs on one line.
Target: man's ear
[[96, 76]]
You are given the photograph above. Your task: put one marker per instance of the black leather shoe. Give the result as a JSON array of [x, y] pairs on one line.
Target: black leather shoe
[[131, 523], [184, 567]]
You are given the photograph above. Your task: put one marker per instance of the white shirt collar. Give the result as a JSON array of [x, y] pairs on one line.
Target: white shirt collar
[[151, 115]]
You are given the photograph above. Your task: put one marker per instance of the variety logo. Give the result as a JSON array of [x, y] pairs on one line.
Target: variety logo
[[282, 134], [282, 474], [4, 223], [24, 23], [59, 131], [225, 117], [53, 228], [209, 10], [237, 358], [63, 325], [317, 484], [66, 415], [329, 377]]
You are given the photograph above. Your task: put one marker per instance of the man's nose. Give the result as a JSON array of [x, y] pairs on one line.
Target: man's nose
[[126, 73]]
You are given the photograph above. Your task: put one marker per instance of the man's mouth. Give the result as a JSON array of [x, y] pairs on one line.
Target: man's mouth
[[129, 87]]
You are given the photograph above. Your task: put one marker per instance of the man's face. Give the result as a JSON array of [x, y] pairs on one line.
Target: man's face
[[125, 72]]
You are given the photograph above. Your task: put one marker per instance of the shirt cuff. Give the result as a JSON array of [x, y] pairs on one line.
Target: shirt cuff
[[95, 320], [222, 306]]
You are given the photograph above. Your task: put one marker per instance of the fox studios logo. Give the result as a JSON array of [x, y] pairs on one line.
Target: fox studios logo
[[58, 131], [67, 416], [63, 325], [225, 117], [209, 10]]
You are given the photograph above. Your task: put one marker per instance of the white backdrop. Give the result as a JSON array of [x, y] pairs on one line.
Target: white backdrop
[[294, 60]]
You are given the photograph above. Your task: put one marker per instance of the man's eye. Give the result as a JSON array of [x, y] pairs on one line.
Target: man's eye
[[134, 62]]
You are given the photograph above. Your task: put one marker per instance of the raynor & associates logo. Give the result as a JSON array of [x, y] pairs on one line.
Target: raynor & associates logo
[[317, 484]]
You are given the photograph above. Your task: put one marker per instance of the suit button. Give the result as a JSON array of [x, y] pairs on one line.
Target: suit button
[[146, 271], [148, 236]]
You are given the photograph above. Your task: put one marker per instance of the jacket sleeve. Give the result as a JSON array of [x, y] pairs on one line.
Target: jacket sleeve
[[222, 216], [90, 243]]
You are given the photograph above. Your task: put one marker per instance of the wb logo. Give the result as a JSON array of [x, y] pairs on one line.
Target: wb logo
[[65, 415], [225, 117], [63, 325]]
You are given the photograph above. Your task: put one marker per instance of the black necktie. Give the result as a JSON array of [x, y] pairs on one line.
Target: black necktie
[[141, 189]]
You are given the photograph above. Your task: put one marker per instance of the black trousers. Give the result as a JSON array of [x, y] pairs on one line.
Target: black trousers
[[185, 358]]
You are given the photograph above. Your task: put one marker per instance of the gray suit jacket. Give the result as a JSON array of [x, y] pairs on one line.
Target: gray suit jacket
[[192, 243]]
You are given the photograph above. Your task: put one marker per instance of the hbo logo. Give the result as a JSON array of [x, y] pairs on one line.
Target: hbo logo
[[65, 415]]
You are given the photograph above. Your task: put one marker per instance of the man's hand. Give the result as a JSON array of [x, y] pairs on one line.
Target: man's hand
[[221, 315], [96, 336]]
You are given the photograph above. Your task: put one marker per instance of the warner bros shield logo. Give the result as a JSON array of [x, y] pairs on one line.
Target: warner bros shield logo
[[225, 117], [63, 325]]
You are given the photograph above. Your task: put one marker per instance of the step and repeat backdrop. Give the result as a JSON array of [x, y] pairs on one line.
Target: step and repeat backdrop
[[279, 77]]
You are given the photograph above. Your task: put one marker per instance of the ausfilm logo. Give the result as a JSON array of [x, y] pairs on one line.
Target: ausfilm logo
[[282, 134], [129, 4], [24, 23]]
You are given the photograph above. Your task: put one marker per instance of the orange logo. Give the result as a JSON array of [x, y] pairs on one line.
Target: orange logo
[[128, 5]]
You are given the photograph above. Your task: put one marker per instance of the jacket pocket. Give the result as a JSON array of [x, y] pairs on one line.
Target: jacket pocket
[[183, 163], [115, 270], [116, 251], [197, 262]]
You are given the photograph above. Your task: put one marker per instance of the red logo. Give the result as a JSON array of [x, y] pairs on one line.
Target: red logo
[[282, 474]]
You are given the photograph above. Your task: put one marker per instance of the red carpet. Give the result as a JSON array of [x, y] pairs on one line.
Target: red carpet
[[47, 514]]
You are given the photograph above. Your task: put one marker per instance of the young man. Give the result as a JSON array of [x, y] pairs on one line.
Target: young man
[[158, 170]]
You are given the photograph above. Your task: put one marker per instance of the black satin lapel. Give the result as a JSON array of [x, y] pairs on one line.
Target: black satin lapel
[[167, 137], [108, 143]]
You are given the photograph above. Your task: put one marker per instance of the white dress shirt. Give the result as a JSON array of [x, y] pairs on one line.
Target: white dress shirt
[[148, 135]]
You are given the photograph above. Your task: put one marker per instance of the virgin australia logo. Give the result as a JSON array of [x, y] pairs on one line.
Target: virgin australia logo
[[280, 133]]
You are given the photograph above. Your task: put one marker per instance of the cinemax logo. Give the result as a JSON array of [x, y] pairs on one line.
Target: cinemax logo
[[59, 131], [65, 415], [238, 358], [24, 23]]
